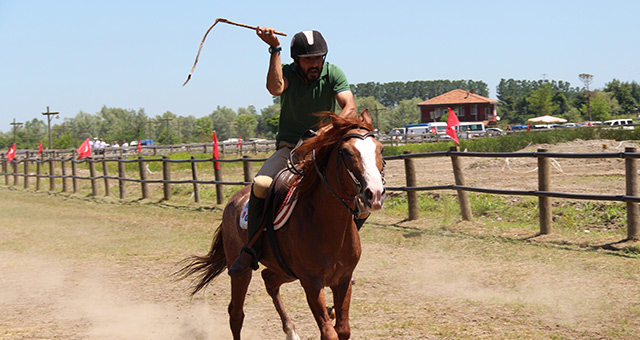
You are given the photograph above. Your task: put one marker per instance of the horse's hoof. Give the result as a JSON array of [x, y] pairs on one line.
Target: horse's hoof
[[332, 312]]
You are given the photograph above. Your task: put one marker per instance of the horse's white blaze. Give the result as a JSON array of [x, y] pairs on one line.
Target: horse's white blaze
[[372, 176]]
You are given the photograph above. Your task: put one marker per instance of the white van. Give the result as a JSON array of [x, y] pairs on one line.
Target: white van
[[471, 129], [626, 124]]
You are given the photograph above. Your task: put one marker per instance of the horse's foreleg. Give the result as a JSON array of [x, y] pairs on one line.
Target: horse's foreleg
[[239, 287], [342, 302], [315, 298], [272, 282]]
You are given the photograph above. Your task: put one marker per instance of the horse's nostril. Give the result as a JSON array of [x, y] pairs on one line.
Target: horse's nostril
[[368, 194]]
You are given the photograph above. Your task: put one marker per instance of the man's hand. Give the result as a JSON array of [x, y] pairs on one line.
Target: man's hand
[[267, 34]]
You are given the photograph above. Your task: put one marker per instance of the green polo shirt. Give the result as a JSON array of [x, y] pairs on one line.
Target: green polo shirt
[[300, 100]]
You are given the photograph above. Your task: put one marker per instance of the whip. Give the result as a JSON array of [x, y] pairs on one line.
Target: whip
[[205, 37]]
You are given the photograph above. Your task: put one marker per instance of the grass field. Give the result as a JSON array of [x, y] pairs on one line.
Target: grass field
[[76, 267]]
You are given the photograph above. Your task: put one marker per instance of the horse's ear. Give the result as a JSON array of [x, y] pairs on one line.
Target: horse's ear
[[365, 118]]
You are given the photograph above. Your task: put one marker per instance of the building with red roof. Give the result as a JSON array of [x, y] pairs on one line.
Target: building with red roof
[[469, 107]]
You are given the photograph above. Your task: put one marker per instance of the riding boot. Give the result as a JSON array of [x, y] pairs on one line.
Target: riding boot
[[249, 256]]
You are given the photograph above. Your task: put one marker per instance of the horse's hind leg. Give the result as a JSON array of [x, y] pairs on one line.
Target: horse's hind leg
[[272, 282], [239, 287]]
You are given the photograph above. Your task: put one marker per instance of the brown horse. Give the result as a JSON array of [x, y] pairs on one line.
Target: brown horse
[[320, 242]]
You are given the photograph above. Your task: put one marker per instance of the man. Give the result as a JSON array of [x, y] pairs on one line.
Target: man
[[306, 86]]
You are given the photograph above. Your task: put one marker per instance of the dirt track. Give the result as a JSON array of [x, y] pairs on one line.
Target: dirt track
[[80, 269]]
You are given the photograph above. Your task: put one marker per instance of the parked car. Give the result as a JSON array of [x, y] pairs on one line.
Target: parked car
[[626, 124], [494, 131], [589, 124], [520, 127]]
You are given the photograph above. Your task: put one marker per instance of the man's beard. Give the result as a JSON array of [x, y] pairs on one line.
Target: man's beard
[[312, 74]]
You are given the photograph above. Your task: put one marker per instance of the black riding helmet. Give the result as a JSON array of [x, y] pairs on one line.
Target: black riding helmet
[[308, 44]]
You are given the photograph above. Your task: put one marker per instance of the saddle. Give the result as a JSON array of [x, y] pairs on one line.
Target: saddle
[[280, 201]]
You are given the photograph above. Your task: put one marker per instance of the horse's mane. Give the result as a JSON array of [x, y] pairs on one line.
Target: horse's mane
[[329, 135]]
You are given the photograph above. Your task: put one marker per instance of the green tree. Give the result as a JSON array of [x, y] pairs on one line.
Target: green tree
[[376, 110], [540, 101], [223, 122], [267, 125], [603, 105], [407, 112], [204, 129], [623, 92], [246, 125]]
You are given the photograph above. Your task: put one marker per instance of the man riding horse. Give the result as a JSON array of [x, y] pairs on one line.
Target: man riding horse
[[307, 86]]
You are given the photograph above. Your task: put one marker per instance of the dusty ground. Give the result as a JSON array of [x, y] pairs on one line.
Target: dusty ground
[[416, 280]]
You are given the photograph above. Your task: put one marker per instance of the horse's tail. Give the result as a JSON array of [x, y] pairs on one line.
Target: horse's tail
[[206, 267]]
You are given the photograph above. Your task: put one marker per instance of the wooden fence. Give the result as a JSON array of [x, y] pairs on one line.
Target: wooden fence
[[157, 150], [543, 158]]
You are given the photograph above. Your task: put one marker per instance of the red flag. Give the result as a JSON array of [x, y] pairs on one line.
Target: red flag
[[528, 127], [240, 141], [40, 148], [11, 154], [139, 145], [216, 152], [452, 121], [84, 150]]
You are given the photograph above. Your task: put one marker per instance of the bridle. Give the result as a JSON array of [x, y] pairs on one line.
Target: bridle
[[340, 159]]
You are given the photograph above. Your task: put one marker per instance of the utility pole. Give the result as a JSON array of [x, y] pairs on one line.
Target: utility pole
[[49, 117], [587, 79], [150, 121], [168, 128], [15, 128], [375, 114]]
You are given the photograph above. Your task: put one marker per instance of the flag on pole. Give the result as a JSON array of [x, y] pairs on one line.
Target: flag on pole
[[216, 152], [452, 121], [40, 148], [240, 141], [139, 145], [84, 150], [11, 154]]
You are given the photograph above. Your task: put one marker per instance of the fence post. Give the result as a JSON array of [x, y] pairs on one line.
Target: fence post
[[64, 176], [166, 177], [105, 172], [143, 178], [544, 202], [74, 173], [633, 215], [121, 176], [52, 172], [38, 173], [412, 196], [26, 173], [94, 180], [14, 166], [247, 169], [219, 188], [463, 195], [5, 169], [194, 176]]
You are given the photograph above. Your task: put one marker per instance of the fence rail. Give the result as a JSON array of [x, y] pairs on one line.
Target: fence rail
[[631, 196], [155, 150]]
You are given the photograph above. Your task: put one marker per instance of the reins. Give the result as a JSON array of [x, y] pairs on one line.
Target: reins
[[355, 212]]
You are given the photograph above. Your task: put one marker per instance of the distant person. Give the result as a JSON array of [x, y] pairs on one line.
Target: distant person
[[124, 146]]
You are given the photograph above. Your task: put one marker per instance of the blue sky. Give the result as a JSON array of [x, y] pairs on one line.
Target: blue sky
[[82, 55]]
